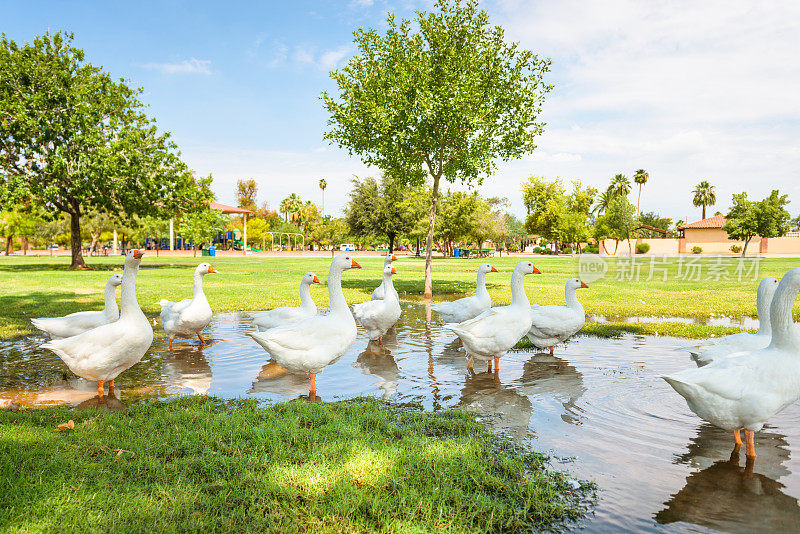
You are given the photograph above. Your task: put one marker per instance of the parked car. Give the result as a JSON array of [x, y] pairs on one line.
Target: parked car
[[347, 247]]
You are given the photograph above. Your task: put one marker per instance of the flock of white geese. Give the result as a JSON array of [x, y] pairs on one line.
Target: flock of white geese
[[741, 380]]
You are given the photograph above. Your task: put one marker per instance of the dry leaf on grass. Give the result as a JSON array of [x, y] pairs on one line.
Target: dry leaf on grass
[[69, 425]]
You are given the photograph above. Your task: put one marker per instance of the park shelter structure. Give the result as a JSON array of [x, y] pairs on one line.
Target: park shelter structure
[[224, 208]]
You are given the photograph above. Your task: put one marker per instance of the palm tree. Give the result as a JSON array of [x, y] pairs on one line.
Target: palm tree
[[620, 185], [322, 185], [602, 202], [286, 208], [704, 195], [295, 206], [640, 177]]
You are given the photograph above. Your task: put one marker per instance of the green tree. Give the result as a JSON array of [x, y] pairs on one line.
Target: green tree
[[246, 192], [704, 195], [653, 219], [18, 223], [457, 218], [323, 185], [443, 96], [375, 209], [154, 227], [554, 215], [620, 185], [640, 177], [202, 226], [602, 202], [766, 218], [618, 222], [73, 140], [330, 232]]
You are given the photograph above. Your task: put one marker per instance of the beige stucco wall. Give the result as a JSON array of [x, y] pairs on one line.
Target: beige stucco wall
[[785, 246]]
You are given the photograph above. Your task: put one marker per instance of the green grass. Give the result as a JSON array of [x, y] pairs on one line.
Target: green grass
[[35, 287], [231, 466]]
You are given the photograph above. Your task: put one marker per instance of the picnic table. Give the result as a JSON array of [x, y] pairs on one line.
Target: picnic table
[[479, 252]]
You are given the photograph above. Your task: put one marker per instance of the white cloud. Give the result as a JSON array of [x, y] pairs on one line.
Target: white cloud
[[187, 66], [332, 58], [687, 90]]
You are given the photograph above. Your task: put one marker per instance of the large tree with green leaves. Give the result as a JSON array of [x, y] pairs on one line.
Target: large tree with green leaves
[[72, 139], [444, 96], [375, 209], [766, 218], [617, 222], [200, 227]]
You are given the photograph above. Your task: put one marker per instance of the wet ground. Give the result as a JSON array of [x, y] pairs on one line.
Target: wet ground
[[596, 404]]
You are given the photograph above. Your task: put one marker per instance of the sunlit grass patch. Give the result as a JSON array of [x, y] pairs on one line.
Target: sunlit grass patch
[[205, 464]]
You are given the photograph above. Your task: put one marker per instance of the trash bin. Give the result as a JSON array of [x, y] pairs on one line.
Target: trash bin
[[205, 252], [212, 251], [456, 252]]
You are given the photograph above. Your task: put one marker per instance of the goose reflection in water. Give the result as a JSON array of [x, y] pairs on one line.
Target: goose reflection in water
[[274, 379], [186, 367], [732, 497], [484, 393], [546, 376], [377, 360]]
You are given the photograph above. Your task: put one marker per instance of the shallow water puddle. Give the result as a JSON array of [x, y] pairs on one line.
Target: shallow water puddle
[[658, 467]]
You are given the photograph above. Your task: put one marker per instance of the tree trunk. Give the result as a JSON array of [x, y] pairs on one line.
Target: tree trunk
[[9, 245], [704, 211], [194, 251], [638, 199], [744, 248], [431, 225], [24, 246], [75, 241], [391, 243]]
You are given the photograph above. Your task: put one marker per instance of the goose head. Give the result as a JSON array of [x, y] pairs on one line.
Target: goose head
[[310, 278], [133, 258], [115, 279], [342, 262], [204, 269], [389, 270], [486, 268], [576, 283], [389, 259], [525, 267]]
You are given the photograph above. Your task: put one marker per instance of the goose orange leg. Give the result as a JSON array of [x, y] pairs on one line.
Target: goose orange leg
[[750, 436], [737, 438], [490, 367], [202, 341], [496, 363], [551, 351], [313, 390], [170, 343], [100, 388]]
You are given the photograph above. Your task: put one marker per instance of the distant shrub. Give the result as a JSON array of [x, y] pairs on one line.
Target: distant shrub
[[567, 250], [736, 249], [696, 250], [642, 248], [591, 249]]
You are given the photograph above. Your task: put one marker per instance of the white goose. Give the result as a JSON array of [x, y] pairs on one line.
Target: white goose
[[79, 322], [744, 390], [379, 292], [378, 316], [712, 349], [467, 308], [104, 352], [491, 334], [310, 345], [264, 320], [188, 318], [551, 325]]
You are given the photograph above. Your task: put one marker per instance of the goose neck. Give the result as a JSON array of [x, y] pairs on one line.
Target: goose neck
[[197, 282], [305, 296], [784, 333], [763, 305], [129, 304], [389, 293], [518, 296], [338, 304], [480, 285], [110, 299], [572, 299]]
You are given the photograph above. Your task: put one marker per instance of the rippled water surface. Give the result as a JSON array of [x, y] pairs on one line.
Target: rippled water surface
[[597, 402]]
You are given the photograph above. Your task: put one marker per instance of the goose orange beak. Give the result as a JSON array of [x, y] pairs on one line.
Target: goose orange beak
[[494, 270], [212, 270], [315, 280], [583, 284], [137, 254], [394, 271], [354, 265], [536, 271], [394, 258]]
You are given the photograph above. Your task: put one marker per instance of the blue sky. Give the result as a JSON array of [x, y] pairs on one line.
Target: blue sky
[[689, 91]]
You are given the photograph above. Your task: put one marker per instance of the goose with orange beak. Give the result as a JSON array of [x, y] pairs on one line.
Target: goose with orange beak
[[551, 325], [102, 353], [468, 308], [378, 316], [380, 292], [264, 320], [311, 344], [188, 318], [491, 334]]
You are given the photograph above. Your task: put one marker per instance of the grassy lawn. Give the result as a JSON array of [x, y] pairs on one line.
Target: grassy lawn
[[35, 287], [229, 466]]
